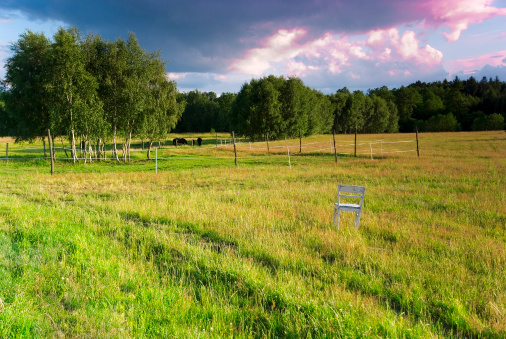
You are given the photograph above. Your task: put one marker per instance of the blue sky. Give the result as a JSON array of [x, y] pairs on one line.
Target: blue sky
[[218, 45]]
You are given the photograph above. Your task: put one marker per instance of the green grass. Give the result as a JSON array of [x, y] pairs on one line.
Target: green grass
[[206, 249]]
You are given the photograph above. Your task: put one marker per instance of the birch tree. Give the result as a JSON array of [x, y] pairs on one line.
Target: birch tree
[[74, 104], [26, 78]]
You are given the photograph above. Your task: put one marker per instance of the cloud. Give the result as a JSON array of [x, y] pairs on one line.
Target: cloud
[[209, 82], [469, 66], [287, 51], [176, 76], [278, 47], [198, 35], [458, 14], [329, 43]]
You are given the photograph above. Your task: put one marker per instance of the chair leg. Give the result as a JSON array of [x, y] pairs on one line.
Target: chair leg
[[337, 218], [357, 219]]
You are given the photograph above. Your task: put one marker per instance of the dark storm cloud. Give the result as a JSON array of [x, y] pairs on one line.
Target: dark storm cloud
[[203, 35]]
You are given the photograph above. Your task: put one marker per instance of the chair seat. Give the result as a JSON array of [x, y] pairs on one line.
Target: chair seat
[[347, 207]]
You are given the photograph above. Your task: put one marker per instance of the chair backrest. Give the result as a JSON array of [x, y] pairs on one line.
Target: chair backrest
[[354, 192]]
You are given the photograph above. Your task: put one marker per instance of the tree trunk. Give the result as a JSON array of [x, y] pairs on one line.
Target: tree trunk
[[104, 150], [73, 147], [90, 151], [149, 149], [114, 148], [99, 154], [123, 150], [83, 149], [129, 143]]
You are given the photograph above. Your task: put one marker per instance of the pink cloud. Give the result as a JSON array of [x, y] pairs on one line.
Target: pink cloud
[[389, 45], [278, 47], [458, 14], [469, 66], [296, 68], [285, 51]]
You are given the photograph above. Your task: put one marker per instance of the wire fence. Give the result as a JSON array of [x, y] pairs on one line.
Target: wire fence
[[223, 148]]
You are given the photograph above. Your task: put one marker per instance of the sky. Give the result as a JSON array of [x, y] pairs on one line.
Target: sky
[[218, 45]]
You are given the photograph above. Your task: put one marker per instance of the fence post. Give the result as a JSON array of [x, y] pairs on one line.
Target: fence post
[[156, 160], [355, 140], [7, 153], [235, 150], [335, 151], [289, 163], [50, 151], [417, 149], [370, 145], [268, 152]]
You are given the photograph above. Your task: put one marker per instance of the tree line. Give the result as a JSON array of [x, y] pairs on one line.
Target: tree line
[[88, 89], [467, 105], [285, 107]]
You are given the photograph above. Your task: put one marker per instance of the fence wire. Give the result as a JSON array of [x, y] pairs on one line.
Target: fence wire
[[270, 151]]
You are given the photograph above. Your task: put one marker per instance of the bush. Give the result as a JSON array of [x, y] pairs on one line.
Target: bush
[[490, 122], [441, 123]]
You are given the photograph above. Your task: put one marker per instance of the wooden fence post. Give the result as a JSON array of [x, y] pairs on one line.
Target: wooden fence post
[[355, 140], [289, 163], [51, 154], [235, 150], [417, 149], [335, 151], [156, 160], [268, 151], [7, 153]]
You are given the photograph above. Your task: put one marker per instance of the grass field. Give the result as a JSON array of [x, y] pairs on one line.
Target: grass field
[[192, 246]]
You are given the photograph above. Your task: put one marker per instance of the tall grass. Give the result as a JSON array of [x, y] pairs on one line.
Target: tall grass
[[205, 249]]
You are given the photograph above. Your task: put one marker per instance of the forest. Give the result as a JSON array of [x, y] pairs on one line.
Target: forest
[[285, 107], [94, 90]]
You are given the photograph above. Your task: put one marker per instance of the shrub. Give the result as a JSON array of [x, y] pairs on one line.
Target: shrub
[[490, 122]]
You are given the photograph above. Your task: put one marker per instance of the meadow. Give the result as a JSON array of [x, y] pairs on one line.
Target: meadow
[[189, 245]]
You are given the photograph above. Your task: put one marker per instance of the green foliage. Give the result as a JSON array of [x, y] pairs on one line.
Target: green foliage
[[276, 107], [27, 72], [204, 111], [5, 119], [490, 122], [440, 123]]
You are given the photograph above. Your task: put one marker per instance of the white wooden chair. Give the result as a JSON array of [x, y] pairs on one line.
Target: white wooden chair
[[350, 193]]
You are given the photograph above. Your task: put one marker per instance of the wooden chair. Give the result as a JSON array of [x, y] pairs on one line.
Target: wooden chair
[[349, 193]]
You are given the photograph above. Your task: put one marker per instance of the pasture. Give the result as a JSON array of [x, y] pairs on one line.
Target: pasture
[[200, 248]]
